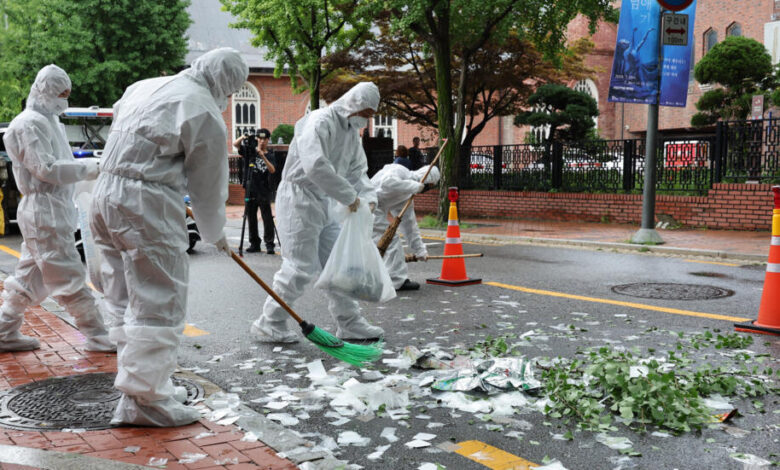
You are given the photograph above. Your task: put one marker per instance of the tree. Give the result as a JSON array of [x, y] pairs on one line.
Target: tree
[[104, 46], [742, 67], [569, 113], [466, 26], [284, 132], [297, 34], [405, 73]]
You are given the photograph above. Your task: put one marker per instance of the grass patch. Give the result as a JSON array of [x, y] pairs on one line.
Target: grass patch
[[432, 222]]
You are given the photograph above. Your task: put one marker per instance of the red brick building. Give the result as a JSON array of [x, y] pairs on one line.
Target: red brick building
[[715, 19], [267, 102]]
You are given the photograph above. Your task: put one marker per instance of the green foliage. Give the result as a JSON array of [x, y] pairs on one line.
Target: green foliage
[[569, 113], [297, 35], [104, 46], [666, 392], [467, 26], [285, 131], [494, 347], [742, 68]]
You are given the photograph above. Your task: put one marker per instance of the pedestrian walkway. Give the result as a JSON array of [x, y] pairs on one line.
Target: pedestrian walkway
[[61, 354], [728, 244]]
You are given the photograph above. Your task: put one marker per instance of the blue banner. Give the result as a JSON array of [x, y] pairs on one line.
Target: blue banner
[[635, 68]]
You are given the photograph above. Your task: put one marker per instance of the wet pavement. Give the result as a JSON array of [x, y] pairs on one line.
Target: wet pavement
[[207, 444]]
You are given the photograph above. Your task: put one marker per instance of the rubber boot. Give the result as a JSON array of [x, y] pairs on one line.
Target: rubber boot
[[84, 308], [273, 332], [11, 318], [162, 413], [351, 324]]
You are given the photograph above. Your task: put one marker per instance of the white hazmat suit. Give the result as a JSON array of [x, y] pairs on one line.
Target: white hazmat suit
[[168, 137], [395, 184], [325, 165], [46, 173]]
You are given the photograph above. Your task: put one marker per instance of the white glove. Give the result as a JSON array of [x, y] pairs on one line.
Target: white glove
[[222, 245], [420, 188], [423, 257], [93, 167], [354, 206]]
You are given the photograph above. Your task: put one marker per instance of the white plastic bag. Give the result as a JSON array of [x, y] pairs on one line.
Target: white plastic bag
[[355, 267]]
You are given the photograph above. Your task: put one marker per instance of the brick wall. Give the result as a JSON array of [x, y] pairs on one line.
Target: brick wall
[[728, 206]]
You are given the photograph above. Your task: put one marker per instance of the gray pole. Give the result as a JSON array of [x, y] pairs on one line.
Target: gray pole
[[648, 234]]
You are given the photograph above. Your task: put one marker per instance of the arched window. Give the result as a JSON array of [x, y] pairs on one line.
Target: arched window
[[588, 87], [385, 126], [710, 39], [246, 110], [735, 29]]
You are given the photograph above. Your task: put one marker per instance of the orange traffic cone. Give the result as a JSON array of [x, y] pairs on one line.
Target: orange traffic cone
[[453, 270], [768, 321]]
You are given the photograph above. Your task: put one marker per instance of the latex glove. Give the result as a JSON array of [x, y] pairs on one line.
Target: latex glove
[[93, 167], [222, 245], [423, 257], [420, 188], [354, 206]]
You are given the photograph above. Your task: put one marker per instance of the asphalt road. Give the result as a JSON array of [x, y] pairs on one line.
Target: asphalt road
[[549, 301]]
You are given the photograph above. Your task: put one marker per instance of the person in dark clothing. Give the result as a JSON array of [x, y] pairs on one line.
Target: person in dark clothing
[[402, 158], [415, 155], [259, 163]]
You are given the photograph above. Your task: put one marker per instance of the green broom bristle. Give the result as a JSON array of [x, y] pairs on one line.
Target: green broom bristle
[[358, 355]]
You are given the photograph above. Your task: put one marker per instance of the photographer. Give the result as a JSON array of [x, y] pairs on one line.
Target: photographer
[[258, 164]]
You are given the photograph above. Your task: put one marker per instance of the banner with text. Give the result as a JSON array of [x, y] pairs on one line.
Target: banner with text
[[634, 77]]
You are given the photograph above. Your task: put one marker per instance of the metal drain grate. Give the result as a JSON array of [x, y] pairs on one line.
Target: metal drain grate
[[77, 402], [671, 291]]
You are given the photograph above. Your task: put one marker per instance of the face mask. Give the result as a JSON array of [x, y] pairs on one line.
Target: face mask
[[59, 105], [358, 122]]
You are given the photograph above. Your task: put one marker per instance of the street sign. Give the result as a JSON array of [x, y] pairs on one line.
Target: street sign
[[674, 30], [675, 5], [757, 107]]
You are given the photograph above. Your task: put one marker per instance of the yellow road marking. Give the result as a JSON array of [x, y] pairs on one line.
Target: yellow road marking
[[492, 457], [10, 251], [675, 311], [189, 330], [192, 331], [711, 262]]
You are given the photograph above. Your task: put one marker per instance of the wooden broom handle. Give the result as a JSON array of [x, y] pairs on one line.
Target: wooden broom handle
[[257, 279]]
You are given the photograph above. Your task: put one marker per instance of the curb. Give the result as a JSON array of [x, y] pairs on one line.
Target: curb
[[658, 249]]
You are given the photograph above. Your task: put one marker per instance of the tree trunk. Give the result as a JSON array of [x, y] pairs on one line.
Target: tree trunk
[[314, 90], [443, 62]]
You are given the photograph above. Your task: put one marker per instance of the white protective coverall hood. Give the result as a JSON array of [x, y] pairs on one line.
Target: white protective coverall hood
[[168, 139], [395, 184], [45, 172], [325, 163]]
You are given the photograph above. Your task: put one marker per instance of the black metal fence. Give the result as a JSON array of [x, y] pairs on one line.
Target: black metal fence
[[736, 152]]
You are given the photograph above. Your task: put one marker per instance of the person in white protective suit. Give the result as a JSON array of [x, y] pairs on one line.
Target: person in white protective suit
[[325, 165], [395, 184], [168, 138], [46, 173]]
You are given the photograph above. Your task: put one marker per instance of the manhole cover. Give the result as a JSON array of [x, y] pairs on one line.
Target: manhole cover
[[77, 402], [670, 291]]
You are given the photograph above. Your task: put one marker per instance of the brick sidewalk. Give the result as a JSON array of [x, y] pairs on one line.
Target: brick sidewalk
[[61, 354]]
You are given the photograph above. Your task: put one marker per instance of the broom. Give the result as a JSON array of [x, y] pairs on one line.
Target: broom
[[356, 354], [387, 237], [413, 258]]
